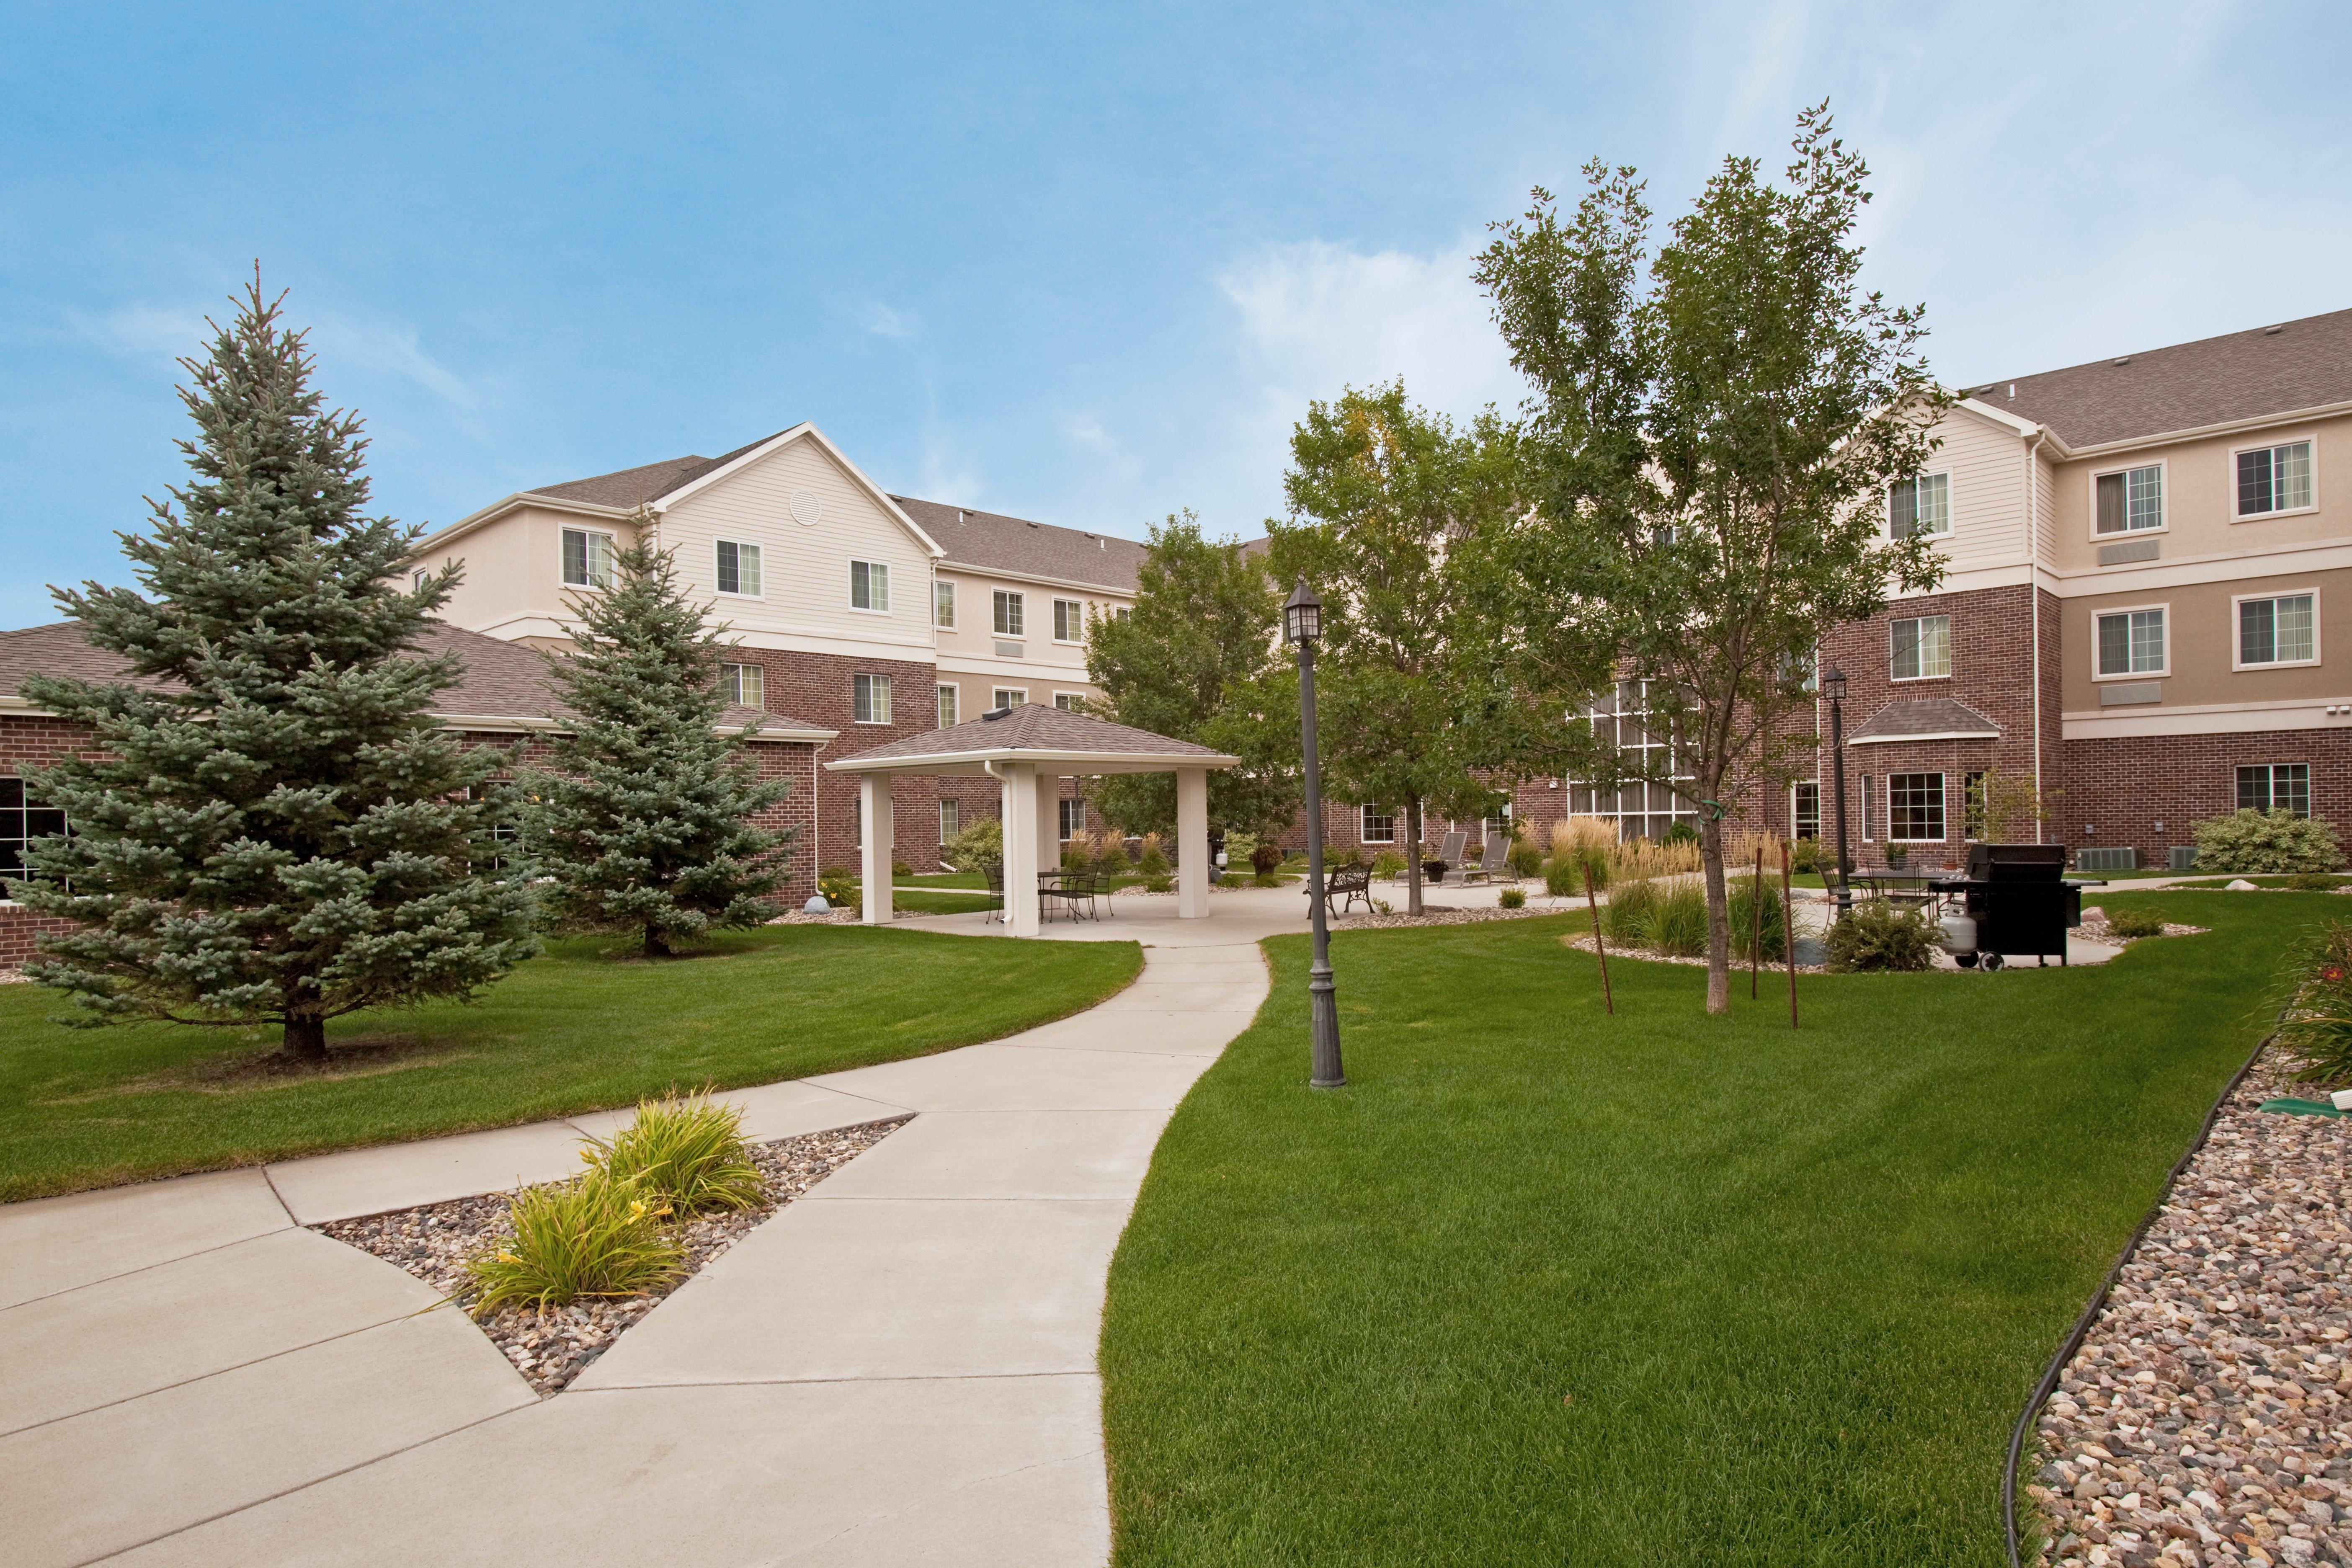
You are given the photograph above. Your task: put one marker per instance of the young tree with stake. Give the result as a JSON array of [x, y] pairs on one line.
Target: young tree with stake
[[1713, 450]]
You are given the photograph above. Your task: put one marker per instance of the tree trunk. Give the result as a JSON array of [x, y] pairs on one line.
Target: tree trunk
[[656, 943], [1412, 861], [1718, 917], [306, 1037]]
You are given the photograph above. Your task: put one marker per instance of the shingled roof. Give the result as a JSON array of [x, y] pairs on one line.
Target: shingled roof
[[991, 542], [628, 489], [501, 680], [1924, 718], [1034, 733], [2299, 364]]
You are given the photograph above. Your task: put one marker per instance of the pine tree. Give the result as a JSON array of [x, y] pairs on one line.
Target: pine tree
[[645, 818], [270, 830]]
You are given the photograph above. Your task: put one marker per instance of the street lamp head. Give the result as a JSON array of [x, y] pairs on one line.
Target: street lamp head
[[1302, 615], [1833, 684]]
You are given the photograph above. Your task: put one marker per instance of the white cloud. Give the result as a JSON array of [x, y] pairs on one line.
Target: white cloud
[[883, 321], [172, 333]]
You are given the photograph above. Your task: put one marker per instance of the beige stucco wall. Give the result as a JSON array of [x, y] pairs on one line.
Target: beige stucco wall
[[514, 568], [2200, 623], [969, 657], [2201, 497]]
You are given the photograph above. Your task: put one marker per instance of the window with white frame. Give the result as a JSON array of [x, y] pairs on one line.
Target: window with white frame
[[1922, 505], [869, 586], [738, 569], [869, 698], [1069, 702], [1008, 616], [416, 580], [1377, 825], [1124, 613], [1914, 808], [587, 558], [951, 819], [947, 706], [23, 819], [943, 605], [2131, 500], [1920, 648], [1073, 818], [1649, 807], [745, 685], [2275, 786], [1865, 802], [2283, 628], [1803, 669], [1008, 697], [1805, 810], [2274, 479], [2131, 642], [1069, 620]]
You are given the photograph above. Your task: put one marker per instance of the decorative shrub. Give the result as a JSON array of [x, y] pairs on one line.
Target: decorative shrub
[[2135, 922], [1158, 882], [1111, 859], [1239, 847], [899, 868], [2267, 841], [2316, 1025], [1524, 858], [1513, 899], [1881, 935], [1810, 854], [1680, 833], [2313, 882], [686, 1155], [589, 1236], [1678, 922], [1626, 917], [978, 846], [839, 886], [1266, 858], [1388, 863], [1740, 892], [1897, 857]]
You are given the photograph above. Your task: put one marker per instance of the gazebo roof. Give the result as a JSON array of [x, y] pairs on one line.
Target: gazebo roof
[[1032, 733]]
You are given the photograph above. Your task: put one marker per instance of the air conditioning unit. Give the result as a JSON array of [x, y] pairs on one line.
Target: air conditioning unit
[[2184, 856], [2123, 859]]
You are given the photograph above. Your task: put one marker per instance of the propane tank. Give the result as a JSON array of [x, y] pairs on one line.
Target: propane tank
[[1959, 934]]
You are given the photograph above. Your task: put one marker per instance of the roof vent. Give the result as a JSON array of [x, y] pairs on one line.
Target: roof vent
[[1036, 525], [993, 714], [2013, 389], [2280, 328], [2125, 360]]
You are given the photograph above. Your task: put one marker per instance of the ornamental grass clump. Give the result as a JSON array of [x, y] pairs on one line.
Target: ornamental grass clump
[[685, 1155], [2315, 1026], [1513, 899], [590, 1236], [1749, 914], [1563, 879], [1581, 843], [1626, 917], [1678, 922]]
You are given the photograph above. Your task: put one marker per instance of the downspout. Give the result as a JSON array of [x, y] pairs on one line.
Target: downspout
[[2033, 590]]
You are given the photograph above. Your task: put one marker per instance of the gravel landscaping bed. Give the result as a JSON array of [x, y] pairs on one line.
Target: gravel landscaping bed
[[1443, 917], [550, 1349], [2208, 1418], [2094, 928], [1772, 964]]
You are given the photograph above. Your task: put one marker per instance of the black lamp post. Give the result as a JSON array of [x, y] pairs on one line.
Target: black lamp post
[[1833, 688], [1302, 625]]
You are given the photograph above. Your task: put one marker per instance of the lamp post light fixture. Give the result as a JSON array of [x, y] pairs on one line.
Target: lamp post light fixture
[[1833, 688], [1302, 625]]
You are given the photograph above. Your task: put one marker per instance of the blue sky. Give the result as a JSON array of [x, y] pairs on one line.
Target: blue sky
[[1084, 264]]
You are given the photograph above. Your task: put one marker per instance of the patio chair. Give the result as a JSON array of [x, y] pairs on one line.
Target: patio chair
[[993, 876], [1449, 853], [1495, 862]]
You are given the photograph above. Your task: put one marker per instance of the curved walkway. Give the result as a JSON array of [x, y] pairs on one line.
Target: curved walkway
[[898, 1368]]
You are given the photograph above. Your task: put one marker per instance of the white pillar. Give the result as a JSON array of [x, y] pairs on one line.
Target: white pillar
[[1021, 849], [874, 869], [1193, 869], [1049, 821]]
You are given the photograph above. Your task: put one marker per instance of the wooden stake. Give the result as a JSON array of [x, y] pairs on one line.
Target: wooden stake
[[1592, 901], [1756, 922], [1789, 932]]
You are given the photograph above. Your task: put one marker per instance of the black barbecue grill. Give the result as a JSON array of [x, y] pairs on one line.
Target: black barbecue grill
[[2021, 900]]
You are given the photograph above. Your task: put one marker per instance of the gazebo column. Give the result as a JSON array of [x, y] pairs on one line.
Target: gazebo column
[[1019, 814], [1049, 821], [1192, 867], [874, 805]]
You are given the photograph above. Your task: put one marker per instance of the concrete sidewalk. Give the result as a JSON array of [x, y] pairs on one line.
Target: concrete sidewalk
[[898, 1368]]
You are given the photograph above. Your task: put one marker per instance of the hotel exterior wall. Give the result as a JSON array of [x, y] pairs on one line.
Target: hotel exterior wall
[[2200, 496], [2122, 786], [2201, 635]]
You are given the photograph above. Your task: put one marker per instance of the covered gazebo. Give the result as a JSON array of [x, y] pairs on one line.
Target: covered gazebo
[[1029, 750]]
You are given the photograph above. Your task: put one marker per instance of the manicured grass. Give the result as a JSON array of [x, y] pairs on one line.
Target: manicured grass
[[1543, 1286], [577, 1030], [927, 903]]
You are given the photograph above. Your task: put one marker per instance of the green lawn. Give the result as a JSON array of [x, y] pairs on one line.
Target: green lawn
[[1546, 1286], [574, 1031]]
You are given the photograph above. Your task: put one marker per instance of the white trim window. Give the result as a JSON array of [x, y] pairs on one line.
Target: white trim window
[[1864, 804], [1069, 702], [1073, 818], [744, 685], [947, 706], [2278, 629], [2130, 643], [1919, 647], [738, 569], [1376, 824], [1919, 506], [1010, 610], [1124, 613], [951, 819], [1805, 809], [2274, 479], [869, 698], [1008, 697], [587, 558], [1070, 621], [943, 605], [23, 819], [416, 580], [2275, 786], [869, 586], [2129, 501], [1914, 808]]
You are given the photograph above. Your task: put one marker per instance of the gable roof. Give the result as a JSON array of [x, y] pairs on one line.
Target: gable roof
[[501, 685], [625, 490], [991, 541], [1034, 733], [1924, 718], [2245, 375]]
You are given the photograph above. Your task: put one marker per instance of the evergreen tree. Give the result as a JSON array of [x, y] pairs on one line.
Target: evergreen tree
[[645, 819], [270, 830]]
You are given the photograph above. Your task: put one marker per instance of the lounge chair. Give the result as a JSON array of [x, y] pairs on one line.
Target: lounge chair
[[1495, 862]]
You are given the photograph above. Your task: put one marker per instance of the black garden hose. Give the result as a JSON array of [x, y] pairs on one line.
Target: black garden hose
[[2042, 1391]]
